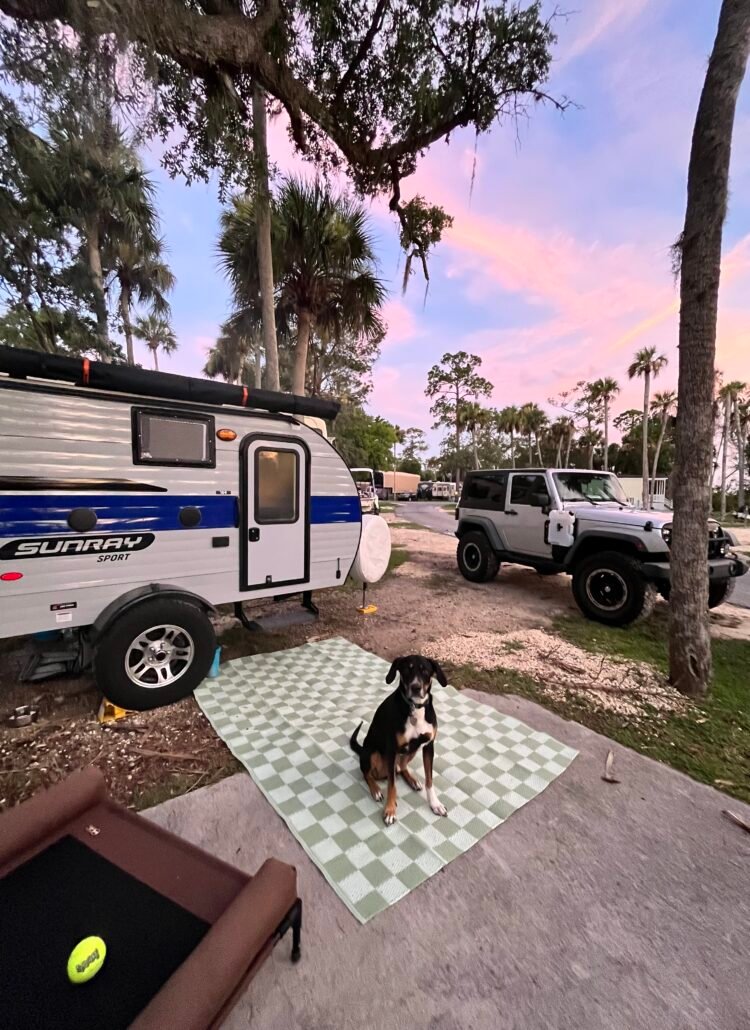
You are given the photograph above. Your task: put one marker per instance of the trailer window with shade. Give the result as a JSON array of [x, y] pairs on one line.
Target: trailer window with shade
[[276, 479], [171, 438]]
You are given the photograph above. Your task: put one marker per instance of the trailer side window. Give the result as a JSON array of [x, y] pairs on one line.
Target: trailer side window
[[162, 438], [276, 486]]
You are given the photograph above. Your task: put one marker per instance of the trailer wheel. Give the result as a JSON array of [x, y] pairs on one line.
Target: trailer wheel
[[154, 654]]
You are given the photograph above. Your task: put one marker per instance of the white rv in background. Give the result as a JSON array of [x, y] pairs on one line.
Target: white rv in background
[[133, 502], [365, 480]]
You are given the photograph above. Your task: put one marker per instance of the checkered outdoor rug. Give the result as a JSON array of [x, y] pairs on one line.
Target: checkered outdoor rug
[[288, 717]]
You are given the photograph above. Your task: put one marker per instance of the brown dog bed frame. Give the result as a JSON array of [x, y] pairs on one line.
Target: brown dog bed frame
[[239, 917]]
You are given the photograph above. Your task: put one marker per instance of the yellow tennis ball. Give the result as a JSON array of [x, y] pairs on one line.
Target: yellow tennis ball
[[86, 959]]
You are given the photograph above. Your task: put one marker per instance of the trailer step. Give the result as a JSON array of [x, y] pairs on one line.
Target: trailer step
[[307, 613]]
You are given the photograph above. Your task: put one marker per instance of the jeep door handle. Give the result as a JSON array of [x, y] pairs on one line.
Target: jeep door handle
[[253, 535], [511, 512]]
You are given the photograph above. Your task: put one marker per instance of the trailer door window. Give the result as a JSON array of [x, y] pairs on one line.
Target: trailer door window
[[276, 486], [173, 439]]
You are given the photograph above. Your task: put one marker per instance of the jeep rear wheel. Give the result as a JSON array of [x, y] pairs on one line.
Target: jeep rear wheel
[[610, 588], [476, 559]]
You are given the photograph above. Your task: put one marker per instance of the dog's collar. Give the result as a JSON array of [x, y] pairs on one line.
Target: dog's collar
[[413, 704]]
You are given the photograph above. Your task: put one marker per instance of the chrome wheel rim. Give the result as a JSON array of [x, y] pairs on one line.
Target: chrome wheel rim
[[606, 590], [159, 656], [472, 557]]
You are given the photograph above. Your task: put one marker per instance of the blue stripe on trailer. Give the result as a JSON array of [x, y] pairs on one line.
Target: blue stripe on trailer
[[325, 510], [35, 515]]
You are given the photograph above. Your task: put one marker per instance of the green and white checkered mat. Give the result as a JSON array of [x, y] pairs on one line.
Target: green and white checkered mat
[[288, 716]]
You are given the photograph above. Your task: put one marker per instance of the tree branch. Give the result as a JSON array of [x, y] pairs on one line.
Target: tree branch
[[365, 44]]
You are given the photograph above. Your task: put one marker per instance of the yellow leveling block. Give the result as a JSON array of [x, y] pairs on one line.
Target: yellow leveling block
[[110, 712]]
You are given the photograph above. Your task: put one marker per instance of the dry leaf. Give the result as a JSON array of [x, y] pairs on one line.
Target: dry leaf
[[608, 766]]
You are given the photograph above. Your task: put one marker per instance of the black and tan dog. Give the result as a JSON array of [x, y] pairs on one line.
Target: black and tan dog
[[403, 724]]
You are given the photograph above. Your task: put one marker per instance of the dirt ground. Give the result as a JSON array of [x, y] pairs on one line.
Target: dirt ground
[[424, 605]]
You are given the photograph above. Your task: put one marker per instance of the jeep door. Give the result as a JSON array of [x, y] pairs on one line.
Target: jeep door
[[526, 514]]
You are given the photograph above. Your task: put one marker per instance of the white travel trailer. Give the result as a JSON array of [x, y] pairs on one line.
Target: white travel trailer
[[133, 502]]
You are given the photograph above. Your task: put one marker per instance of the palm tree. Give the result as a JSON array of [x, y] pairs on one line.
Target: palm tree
[[228, 358], [323, 259], [558, 434], [509, 421], [157, 334], [742, 422], [603, 391], [662, 405], [647, 364], [473, 417], [104, 193], [141, 275], [590, 440], [533, 420], [571, 428], [729, 394]]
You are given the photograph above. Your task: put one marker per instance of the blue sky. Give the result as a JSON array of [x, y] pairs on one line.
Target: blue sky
[[557, 266]]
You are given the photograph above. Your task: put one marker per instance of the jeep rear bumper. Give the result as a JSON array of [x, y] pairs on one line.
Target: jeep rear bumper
[[718, 568]]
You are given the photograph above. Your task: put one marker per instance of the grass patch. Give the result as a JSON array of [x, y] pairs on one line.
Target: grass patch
[[712, 742], [399, 555], [385, 506]]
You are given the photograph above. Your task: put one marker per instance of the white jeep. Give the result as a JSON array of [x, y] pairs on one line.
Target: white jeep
[[580, 522]]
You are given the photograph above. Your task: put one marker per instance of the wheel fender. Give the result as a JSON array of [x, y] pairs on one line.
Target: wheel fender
[[486, 526], [135, 597], [606, 537]]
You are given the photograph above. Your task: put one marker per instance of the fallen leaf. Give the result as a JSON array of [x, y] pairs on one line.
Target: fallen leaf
[[608, 766], [737, 819]]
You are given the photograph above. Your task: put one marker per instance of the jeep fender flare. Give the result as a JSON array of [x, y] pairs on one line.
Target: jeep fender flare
[[486, 526], [137, 596], [608, 537]]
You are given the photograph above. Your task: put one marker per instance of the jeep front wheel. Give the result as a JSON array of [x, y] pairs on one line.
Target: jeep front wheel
[[476, 559], [720, 591], [610, 588]]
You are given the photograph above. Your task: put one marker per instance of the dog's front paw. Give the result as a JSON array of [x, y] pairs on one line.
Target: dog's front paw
[[437, 807], [378, 795], [389, 816]]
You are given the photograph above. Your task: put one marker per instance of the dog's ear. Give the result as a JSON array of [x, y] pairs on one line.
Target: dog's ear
[[438, 673], [393, 670]]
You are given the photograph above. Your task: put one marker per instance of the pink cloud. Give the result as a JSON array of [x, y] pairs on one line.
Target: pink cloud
[[402, 323]]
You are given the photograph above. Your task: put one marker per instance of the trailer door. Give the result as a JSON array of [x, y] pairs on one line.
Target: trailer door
[[276, 523]]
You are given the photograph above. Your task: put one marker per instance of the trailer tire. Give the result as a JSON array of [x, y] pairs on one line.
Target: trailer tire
[[154, 654]]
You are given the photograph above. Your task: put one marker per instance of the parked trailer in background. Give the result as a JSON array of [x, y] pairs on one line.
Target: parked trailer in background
[[633, 487], [365, 480], [444, 491], [400, 486], [134, 502]]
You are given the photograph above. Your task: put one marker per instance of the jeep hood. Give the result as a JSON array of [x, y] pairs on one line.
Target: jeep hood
[[614, 516]]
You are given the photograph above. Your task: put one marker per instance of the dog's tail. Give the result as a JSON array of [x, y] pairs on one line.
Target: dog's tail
[[354, 743]]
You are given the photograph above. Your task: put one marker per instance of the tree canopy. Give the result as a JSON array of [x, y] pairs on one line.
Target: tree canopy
[[367, 83]]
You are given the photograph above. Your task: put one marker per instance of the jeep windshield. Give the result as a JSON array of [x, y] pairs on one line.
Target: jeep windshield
[[589, 487]]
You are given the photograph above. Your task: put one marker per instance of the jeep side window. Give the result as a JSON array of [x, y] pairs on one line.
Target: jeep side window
[[485, 490], [525, 489]]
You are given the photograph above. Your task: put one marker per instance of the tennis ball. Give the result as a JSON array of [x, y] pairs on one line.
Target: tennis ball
[[86, 959]]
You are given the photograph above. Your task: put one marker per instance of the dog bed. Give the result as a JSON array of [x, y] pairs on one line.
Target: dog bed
[[288, 716]]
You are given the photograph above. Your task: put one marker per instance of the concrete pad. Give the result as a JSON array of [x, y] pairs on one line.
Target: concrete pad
[[596, 906]]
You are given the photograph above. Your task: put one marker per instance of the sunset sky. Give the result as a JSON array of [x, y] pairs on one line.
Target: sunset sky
[[557, 267]]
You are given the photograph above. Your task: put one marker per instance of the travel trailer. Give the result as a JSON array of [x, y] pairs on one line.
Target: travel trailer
[[133, 502], [402, 486], [365, 480]]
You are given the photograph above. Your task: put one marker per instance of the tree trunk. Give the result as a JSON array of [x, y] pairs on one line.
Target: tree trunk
[[97, 280], [606, 433], [567, 450], [558, 453], [707, 192], [304, 327], [474, 446], [127, 328], [740, 457], [258, 368], [724, 453], [591, 457], [155, 352], [264, 248], [644, 447], [512, 449], [531, 451], [539, 450], [655, 467], [458, 431]]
